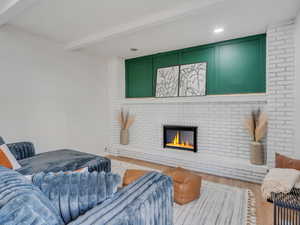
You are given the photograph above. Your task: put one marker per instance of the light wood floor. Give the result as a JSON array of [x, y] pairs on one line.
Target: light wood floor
[[264, 210]]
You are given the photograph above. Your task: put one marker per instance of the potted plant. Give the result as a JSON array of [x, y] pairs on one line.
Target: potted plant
[[256, 125], [125, 120]]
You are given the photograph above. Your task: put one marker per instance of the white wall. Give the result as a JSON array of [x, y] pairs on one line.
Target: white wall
[[297, 85], [56, 99]]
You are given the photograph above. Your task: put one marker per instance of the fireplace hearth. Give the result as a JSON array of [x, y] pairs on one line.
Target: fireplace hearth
[[180, 137]]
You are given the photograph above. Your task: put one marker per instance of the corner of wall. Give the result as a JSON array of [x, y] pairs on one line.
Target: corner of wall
[[280, 89], [297, 85], [116, 90]]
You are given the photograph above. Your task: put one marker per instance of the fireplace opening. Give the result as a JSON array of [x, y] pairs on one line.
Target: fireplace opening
[[180, 137]]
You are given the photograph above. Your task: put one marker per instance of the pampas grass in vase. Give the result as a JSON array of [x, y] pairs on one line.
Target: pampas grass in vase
[[125, 120], [256, 126]]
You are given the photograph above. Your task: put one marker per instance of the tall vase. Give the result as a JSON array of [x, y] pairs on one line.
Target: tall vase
[[124, 137], [257, 153]]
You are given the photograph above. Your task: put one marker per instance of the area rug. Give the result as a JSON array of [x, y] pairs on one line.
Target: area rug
[[218, 204]]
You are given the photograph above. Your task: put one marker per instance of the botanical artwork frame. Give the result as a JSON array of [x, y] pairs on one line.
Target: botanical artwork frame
[[167, 82], [193, 79]]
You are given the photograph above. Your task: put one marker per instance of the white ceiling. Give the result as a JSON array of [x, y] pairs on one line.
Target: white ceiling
[[4, 4], [68, 20], [112, 27]]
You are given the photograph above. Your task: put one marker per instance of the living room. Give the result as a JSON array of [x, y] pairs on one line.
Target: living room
[[203, 94]]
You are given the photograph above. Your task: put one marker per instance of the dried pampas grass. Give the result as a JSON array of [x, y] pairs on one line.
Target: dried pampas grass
[[256, 125], [125, 120], [249, 124]]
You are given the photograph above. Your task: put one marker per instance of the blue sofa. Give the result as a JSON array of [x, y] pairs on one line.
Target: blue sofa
[[55, 161], [147, 201]]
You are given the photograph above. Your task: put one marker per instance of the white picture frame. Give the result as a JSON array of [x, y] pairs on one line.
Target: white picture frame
[[167, 82], [193, 79]]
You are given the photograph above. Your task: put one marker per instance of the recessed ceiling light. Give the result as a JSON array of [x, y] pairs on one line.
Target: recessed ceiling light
[[218, 30], [133, 49]]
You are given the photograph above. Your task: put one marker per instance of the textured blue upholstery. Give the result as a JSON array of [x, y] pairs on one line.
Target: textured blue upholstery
[[1, 141], [75, 193], [22, 150], [22, 203], [147, 201], [54, 161], [63, 160]]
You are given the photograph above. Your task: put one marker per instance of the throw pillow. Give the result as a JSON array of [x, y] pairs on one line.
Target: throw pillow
[[282, 161], [75, 193], [23, 203], [7, 159]]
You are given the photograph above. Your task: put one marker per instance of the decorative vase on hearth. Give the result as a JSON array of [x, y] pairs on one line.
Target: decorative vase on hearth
[[124, 137], [256, 124], [125, 120], [257, 153]]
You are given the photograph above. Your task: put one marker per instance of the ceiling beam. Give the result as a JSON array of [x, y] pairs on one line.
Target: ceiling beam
[[146, 22], [12, 8]]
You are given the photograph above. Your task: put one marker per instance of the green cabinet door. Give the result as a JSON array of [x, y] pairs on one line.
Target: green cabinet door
[[139, 77], [203, 54], [163, 60], [241, 66]]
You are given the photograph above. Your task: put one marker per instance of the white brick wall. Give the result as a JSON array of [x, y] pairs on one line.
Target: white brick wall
[[297, 84], [280, 81], [220, 125], [221, 130]]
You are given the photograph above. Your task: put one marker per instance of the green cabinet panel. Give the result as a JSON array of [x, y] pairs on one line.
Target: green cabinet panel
[[235, 66], [204, 54], [161, 61], [240, 67], [139, 77]]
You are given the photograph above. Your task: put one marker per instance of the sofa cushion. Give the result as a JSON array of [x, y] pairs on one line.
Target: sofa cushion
[[282, 161], [63, 160], [23, 203], [75, 193]]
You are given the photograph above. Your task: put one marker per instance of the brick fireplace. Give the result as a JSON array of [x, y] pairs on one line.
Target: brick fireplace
[[224, 142]]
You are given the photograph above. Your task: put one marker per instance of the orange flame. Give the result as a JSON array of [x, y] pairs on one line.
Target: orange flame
[[176, 142]]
